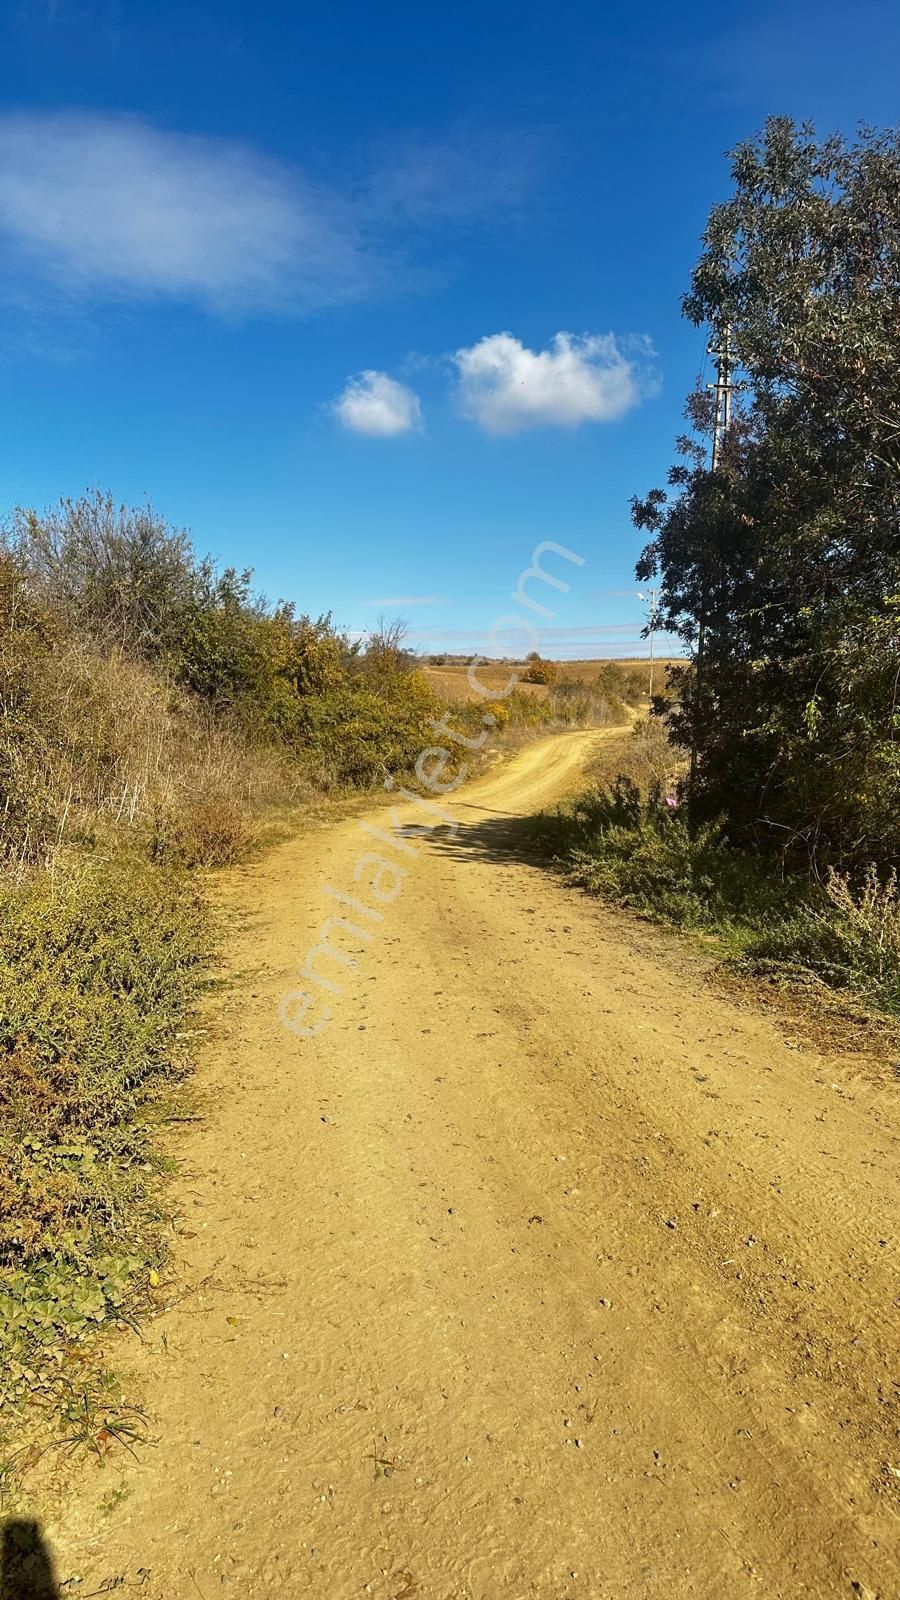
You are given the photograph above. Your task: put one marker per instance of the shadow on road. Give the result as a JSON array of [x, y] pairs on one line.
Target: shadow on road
[[26, 1566], [490, 838]]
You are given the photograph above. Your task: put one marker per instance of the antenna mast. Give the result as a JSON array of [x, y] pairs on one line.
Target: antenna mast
[[723, 386], [724, 360], [650, 598]]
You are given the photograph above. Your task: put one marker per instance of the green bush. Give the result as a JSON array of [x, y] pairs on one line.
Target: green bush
[[848, 936], [100, 964], [624, 683], [362, 731], [576, 704], [641, 853]]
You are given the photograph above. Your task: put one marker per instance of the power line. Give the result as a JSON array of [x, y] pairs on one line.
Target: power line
[[651, 600]]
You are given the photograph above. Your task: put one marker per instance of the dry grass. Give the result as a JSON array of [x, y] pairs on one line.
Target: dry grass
[[642, 753], [450, 680], [639, 666], [92, 742]]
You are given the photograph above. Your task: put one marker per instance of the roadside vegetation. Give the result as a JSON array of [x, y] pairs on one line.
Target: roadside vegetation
[[101, 964], [629, 840], [156, 717], [772, 818]]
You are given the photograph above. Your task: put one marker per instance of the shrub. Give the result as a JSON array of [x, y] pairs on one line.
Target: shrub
[[618, 682], [643, 854], [119, 574], [645, 754], [363, 731], [538, 670], [100, 965], [575, 704], [214, 831], [252, 663], [89, 740], [849, 936]]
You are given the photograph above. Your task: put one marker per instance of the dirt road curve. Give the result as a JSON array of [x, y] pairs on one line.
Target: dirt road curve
[[542, 1270]]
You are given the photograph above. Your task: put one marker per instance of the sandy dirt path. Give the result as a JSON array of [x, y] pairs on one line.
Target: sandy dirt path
[[542, 1270]]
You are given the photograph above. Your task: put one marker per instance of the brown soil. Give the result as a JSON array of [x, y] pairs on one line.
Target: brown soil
[[544, 1270]]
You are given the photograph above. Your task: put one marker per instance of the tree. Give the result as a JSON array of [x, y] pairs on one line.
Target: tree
[[119, 574], [781, 570], [385, 653]]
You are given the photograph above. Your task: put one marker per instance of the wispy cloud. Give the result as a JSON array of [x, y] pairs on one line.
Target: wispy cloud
[[506, 388], [597, 631], [375, 404], [111, 205], [108, 205], [583, 643], [468, 176], [409, 600]]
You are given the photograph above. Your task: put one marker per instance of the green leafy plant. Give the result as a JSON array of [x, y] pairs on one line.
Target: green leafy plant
[[640, 850], [849, 936], [100, 966], [780, 570], [642, 853]]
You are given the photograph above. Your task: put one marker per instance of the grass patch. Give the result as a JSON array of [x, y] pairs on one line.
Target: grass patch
[[635, 848], [101, 964], [641, 752], [640, 853], [846, 934]]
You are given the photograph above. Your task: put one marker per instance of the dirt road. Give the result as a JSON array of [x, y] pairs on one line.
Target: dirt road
[[541, 1270]]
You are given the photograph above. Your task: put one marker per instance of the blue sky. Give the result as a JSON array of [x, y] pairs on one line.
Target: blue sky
[[258, 263]]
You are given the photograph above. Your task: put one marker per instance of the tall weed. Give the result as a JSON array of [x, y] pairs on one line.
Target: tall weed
[[642, 853], [849, 936]]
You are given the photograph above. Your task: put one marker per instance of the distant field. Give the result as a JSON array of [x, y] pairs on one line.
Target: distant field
[[451, 679], [452, 683]]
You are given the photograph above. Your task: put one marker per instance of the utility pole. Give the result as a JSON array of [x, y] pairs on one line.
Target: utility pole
[[650, 599], [723, 386]]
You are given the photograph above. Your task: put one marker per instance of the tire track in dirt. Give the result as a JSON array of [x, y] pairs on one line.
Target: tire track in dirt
[[544, 1270]]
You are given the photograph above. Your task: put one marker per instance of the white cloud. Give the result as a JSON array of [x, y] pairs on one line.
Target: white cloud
[[378, 405], [102, 203], [506, 387]]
